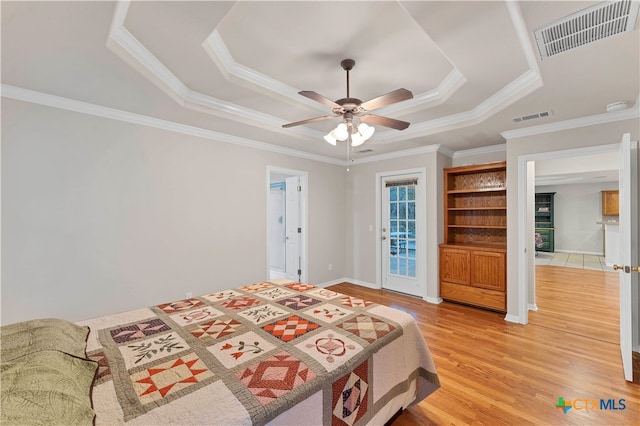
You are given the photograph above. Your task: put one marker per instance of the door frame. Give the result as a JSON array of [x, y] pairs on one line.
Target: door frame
[[304, 216], [526, 252], [421, 225]]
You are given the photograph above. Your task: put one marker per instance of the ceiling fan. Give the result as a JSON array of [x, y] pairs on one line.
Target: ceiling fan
[[353, 110]]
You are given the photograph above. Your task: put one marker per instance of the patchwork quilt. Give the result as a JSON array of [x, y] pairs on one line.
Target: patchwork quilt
[[275, 352]]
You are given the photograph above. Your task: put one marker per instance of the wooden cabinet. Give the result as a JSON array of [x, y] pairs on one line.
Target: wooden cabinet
[[473, 256], [610, 203], [474, 276], [545, 227]]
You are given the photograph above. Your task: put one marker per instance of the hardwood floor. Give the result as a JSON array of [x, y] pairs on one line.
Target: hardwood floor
[[575, 302], [498, 373]]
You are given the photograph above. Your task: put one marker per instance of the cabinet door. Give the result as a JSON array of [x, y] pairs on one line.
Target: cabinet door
[[454, 265], [610, 203], [488, 270]]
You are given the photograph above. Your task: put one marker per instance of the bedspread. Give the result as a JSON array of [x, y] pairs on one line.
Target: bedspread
[[275, 352]]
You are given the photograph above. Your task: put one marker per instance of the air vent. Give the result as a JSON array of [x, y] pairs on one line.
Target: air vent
[[595, 23], [532, 116], [364, 151]]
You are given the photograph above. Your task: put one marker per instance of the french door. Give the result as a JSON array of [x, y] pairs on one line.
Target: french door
[[402, 233]]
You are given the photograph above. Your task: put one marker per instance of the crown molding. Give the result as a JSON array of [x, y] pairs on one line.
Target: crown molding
[[575, 123], [125, 45], [404, 153], [217, 50], [39, 98], [54, 101], [479, 151]]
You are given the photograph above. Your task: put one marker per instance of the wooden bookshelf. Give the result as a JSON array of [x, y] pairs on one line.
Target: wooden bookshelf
[[473, 256]]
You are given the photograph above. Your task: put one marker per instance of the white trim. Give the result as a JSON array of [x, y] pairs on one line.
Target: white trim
[[421, 228], [447, 87], [592, 120], [348, 280], [592, 253], [521, 252], [434, 300], [404, 153], [362, 283], [217, 50], [532, 307], [304, 215], [124, 44], [522, 260], [513, 318], [53, 101], [482, 150]]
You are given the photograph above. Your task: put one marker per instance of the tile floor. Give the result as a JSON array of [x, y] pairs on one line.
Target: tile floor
[[573, 260]]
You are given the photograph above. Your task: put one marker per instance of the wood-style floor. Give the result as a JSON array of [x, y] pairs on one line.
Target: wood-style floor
[[494, 372]]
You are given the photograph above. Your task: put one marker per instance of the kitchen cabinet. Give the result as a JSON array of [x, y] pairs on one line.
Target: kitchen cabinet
[[544, 220], [610, 203]]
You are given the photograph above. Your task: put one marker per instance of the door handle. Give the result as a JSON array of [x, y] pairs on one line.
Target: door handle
[[626, 269]]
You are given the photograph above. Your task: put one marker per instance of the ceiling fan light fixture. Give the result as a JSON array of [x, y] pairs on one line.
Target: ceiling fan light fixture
[[356, 139], [341, 133], [366, 131], [329, 137], [353, 111]]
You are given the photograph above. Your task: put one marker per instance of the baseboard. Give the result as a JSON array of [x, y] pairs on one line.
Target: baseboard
[[512, 318], [434, 300], [349, 280], [593, 253], [532, 307]]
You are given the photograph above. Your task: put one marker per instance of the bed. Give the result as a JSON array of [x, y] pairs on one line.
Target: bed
[[274, 352]]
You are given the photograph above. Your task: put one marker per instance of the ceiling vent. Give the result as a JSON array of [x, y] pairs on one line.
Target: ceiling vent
[[532, 116], [595, 23], [364, 151]]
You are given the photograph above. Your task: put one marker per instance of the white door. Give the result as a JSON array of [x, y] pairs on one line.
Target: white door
[[401, 227], [293, 256], [277, 229], [628, 197]]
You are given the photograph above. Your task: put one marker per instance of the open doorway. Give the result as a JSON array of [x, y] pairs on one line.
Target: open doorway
[[526, 224], [286, 224], [572, 226]]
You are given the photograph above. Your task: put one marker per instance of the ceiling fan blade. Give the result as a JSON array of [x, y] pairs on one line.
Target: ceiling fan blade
[[385, 121], [309, 120], [388, 99], [319, 98]]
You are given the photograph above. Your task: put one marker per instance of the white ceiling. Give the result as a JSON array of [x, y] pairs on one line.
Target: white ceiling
[[593, 168], [232, 70]]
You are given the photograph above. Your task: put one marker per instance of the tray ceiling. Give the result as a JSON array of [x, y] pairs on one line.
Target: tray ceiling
[[232, 70]]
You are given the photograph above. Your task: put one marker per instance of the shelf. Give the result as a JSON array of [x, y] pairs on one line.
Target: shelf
[[475, 190], [484, 245], [475, 208], [477, 226], [475, 204]]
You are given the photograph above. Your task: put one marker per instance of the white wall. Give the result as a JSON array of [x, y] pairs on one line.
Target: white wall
[[577, 209], [101, 216], [361, 210]]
